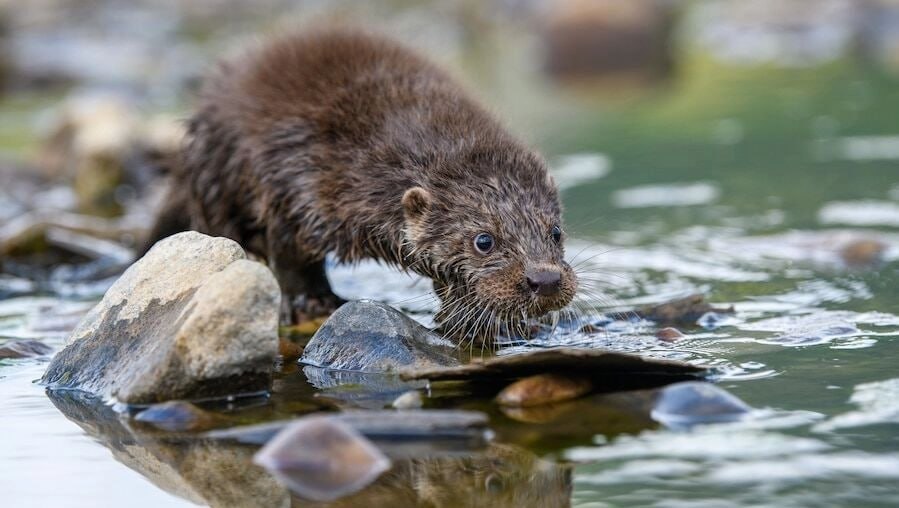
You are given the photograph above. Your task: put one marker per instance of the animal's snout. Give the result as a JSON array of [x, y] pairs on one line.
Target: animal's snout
[[544, 282]]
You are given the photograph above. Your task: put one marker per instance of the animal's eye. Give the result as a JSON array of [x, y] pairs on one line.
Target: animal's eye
[[483, 243], [557, 234]]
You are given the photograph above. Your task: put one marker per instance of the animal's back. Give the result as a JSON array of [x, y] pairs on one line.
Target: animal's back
[[312, 133], [345, 143]]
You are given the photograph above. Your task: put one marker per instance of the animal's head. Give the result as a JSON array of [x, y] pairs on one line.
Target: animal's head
[[488, 230]]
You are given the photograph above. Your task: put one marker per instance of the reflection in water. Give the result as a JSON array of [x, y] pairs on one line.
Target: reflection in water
[[220, 473]]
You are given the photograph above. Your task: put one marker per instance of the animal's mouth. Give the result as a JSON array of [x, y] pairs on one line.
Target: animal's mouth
[[542, 306]]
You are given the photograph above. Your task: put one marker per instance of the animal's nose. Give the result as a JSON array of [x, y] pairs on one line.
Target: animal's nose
[[544, 282]]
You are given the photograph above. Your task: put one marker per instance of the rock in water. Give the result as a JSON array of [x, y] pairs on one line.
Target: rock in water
[[863, 253], [193, 318], [24, 348], [684, 311], [322, 459], [543, 389], [372, 337], [669, 334], [695, 403]]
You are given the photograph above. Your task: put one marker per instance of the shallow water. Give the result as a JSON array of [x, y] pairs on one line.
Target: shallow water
[[743, 184]]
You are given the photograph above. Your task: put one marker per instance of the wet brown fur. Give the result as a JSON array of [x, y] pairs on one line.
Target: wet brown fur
[[310, 145]]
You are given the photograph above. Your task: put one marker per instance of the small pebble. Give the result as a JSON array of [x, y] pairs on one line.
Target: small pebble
[[408, 400], [863, 253], [24, 348], [322, 459], [669, 334], [685, 311], [543, 389]]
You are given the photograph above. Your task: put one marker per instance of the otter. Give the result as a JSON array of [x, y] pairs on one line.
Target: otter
[[347, 143]]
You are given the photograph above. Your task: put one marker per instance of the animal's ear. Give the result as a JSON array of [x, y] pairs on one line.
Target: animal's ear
[[416, 202]]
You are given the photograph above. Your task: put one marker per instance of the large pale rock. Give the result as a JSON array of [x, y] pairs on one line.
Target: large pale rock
[[193, 318]]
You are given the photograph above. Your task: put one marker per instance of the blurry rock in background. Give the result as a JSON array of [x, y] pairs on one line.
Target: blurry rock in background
[[796, 33], [5, 56], [590, 39], [880, 39], [100, 144], [58, 43], [785, 33]]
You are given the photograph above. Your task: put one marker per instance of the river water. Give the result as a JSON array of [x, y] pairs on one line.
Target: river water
[[750, 185]]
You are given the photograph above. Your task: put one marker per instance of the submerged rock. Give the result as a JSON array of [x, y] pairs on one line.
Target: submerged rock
[[193, 318], [575, 422], [694, 403], [685, 311], [863, 253], [368, 336], [178, 416], [543, 389], [322, 459], [24, 348], [669, 334]]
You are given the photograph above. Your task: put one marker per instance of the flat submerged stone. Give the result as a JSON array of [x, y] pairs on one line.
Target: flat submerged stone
[[597, 365]]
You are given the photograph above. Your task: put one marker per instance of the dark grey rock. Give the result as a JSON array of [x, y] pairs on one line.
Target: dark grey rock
[[695, 403], [368, 336], [191, 319]]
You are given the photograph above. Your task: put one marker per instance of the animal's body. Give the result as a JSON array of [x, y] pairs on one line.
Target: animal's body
[[345, 143]]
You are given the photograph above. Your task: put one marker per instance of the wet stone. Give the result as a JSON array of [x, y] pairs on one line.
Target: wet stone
[[191, 319], [24, 348], [368, 336], [669, 334], [543, 389], [682, 311], [322, 459], [863, 252], [178, 416], [695, 403]]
